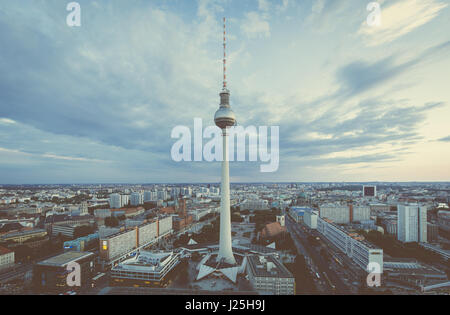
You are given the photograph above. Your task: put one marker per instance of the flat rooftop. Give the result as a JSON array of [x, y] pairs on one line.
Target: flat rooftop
[[259, 269], [65, 258], [23, 233]]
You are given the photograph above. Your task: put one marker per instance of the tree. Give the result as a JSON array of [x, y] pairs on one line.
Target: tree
[[23, 253], [236, 217], [83, 230], [112, 222], [303, 279]]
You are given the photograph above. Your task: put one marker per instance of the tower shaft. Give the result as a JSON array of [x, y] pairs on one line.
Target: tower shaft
[[225, 245]]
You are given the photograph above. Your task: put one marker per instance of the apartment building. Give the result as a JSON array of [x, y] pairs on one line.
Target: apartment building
[[351, 244], [6, 258], [412, 223], [114, 247], [268, 276], [310, 218], [344, 214]]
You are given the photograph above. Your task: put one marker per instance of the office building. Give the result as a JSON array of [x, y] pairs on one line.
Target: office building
[[81, 244], [150, 196], [255, 204], [379, 207], [432, 233], [102, 213], [113, 247], [84, 210], [310, 218], [412, 223], [268, 276], [145, 269], [369, 191], [50, 275], [20, 237], [6, 258], [65, 230], [351, 244], [125, 200], [297, 213], [136, 199], [162, 195], [115, 201], [344, 214]]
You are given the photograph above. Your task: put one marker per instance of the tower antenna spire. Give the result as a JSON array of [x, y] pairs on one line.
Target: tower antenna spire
[[224, 54]]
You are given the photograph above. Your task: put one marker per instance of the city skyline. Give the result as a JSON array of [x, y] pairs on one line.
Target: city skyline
[[96, 103]]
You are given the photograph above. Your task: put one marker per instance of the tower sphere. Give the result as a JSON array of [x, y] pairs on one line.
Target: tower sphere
[[224, 116]]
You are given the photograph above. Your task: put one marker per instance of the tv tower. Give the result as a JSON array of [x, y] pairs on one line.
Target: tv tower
[[225, 118]]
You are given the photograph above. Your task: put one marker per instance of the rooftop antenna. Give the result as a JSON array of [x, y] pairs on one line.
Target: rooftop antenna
[[224, 54]]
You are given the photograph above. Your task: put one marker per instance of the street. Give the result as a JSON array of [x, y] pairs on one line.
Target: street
[[329, 282]]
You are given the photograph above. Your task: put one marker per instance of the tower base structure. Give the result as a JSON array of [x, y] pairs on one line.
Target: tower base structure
[[209, 266], [225, 244]]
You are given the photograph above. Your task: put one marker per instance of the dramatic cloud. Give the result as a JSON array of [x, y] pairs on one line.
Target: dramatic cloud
[[255, 25], [97, 103], [445, 139], [360, 76], [400, 18]]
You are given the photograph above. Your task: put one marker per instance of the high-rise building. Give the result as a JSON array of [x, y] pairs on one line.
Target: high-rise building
[[147, 196], [412, 223], [150, 196], [175, 192], [310, 218], [162, 195], [344, 214], [369, 191], [136, 199], [186, 191], [115, 201], [125, 200]]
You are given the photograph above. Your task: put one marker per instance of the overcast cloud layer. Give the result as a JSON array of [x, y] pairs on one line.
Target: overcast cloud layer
[[98, 103]]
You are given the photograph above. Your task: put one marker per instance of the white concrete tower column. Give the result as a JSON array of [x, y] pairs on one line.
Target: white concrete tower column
[[225, 245]]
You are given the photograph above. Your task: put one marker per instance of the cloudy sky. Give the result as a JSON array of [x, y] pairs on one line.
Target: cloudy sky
[[97, 103]]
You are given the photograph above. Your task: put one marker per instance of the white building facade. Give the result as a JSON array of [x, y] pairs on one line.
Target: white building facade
[[412, 223], [354, 246]]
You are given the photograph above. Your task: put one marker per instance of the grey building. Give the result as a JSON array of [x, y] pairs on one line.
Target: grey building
[[269, 276]]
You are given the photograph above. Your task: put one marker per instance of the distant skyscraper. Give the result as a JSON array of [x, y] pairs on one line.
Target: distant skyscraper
[[115, 201], [125, 199], [412, 223], [225, 118], [150, 196], [370, 191], [136, 199], [147, 196], [162, 195]]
